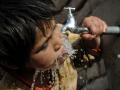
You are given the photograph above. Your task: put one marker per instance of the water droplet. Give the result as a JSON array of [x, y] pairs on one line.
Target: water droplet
[[118, 56]]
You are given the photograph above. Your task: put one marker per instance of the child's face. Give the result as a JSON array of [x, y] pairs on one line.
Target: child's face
[[48, 48]]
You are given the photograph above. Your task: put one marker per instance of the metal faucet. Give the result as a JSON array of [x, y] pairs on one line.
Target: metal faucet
[[71, 24]]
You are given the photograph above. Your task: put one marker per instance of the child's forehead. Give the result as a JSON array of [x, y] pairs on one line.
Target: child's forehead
[[47, 26], [46, 32], [40, 38]]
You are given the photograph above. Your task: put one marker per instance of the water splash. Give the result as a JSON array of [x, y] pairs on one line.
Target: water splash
[[53, 72], [46, 79], [68, 47], [34, 78], [51, 75]]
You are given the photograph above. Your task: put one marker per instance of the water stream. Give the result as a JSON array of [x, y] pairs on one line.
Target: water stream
[[52, 74]]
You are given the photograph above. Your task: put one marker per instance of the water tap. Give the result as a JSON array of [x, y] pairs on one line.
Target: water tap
[[71, 23]]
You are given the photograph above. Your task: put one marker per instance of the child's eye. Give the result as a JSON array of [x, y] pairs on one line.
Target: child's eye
[[43, 47]]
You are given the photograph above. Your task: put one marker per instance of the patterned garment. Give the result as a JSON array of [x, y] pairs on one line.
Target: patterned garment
[[67, 80]]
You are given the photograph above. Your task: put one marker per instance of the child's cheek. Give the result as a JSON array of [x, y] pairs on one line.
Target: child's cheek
[[44, 59]]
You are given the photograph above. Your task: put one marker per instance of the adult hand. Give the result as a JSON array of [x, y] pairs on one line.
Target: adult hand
[[96, 26]]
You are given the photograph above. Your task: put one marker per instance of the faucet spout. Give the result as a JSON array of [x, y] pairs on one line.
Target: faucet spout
[[70, 23]]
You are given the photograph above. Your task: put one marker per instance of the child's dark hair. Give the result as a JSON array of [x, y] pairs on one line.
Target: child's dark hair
[[18, 21]]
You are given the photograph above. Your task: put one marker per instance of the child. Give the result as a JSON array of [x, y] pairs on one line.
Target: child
[[30, 38]]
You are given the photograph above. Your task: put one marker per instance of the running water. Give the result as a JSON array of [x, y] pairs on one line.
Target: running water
[[41, 75], [52, 74], [68, 47], [34, 78]]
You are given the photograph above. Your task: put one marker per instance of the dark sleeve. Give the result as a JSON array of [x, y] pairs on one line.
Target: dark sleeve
[[109, 11], [113, 65], [86, 8]]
